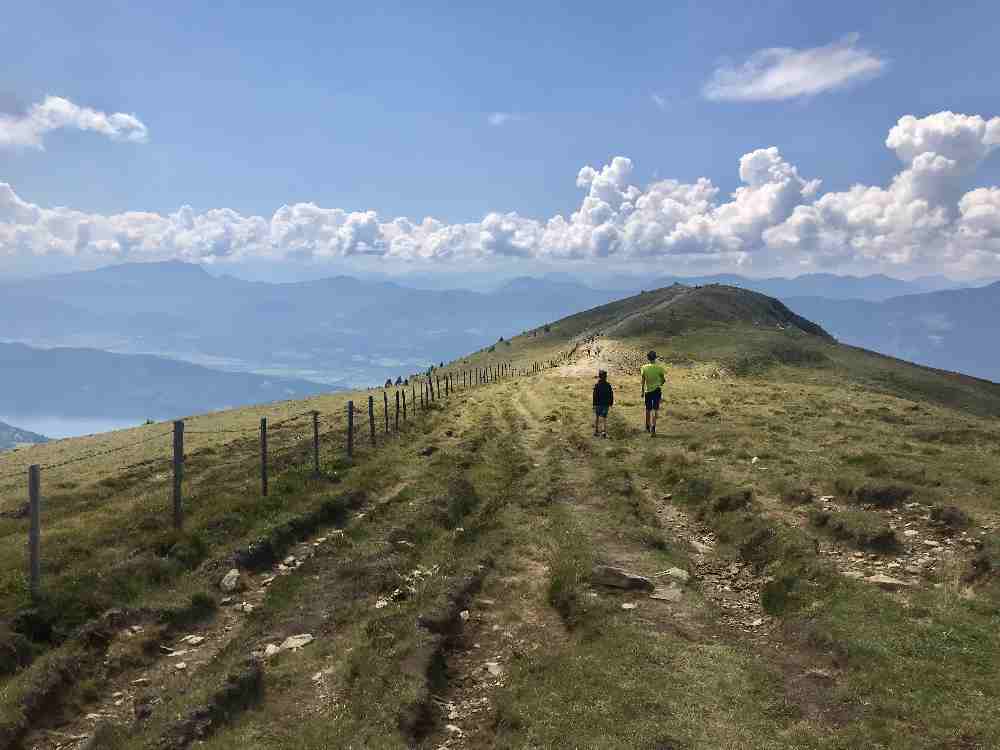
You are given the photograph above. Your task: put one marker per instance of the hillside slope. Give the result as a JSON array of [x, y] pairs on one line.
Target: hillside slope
[[806, 559]]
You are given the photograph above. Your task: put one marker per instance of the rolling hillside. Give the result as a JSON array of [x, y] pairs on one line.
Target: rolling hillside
[[806, 555]]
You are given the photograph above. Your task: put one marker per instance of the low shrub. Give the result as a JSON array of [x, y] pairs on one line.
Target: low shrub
[[733, 501], [798, 497], [864, 530], [950, 517], [884, 496]]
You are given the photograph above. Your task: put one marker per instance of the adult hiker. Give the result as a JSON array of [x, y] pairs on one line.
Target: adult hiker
[[604, 399], [653, 378]]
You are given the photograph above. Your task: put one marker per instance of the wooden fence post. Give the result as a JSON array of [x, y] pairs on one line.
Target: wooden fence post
[[371, 418], [397, 410], [316, 443], [263, 456], [35, 530], [385, 409], [413, 395], [404, 404], [350, 429], [178, 473]]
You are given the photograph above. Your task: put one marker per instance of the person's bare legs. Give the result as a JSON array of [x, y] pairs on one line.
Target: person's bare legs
[[647, 420], [653, 421], [597, 424]]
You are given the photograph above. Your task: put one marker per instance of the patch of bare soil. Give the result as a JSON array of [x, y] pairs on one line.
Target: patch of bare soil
[[509, 620], [733, 587]]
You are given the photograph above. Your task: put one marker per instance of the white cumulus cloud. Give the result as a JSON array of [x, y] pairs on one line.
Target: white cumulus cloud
[[784, 73], [925, 219], [55, 113]]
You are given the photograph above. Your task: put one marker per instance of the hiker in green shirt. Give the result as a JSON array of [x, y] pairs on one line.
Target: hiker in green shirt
[[653, 378]]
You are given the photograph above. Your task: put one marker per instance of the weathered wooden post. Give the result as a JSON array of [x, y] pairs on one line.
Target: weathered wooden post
[[397, 411], [404, 404], [439, 386], [350, 429], [178, 473], [385, 409], [413, 395], [371, 418], [316, 443], [35, 530], [263, 456]]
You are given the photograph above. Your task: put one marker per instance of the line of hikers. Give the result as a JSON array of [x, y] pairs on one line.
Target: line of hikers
[[653, 377]]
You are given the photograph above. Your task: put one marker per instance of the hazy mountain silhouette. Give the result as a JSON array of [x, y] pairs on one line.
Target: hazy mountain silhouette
[[87, 383], [953, 330], [11, 437], [347, 331]]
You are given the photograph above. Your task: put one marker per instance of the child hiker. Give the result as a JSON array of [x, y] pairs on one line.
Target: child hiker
[[604, 397]]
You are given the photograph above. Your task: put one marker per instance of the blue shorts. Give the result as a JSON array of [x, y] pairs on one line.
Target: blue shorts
[[601, 410], [653, 400]]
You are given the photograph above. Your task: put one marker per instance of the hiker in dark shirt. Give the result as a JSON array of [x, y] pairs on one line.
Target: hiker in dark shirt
[[604, 398]]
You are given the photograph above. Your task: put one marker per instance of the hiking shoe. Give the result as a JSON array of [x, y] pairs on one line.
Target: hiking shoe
[[604, 435]]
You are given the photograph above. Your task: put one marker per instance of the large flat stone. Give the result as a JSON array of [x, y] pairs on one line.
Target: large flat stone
[[608, 575]]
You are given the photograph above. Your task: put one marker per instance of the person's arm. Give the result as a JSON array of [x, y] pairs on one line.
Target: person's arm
[[643, 383], [611, 396], [595, 395]]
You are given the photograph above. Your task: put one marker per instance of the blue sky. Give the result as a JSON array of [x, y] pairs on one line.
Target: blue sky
[[433, 110]]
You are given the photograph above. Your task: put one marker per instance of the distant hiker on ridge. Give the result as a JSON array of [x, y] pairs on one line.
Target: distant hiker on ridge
[[604, 398], [653, 378]]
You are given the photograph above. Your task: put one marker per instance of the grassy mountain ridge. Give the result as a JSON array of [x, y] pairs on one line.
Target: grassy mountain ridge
[[747, 332], [821, 541]]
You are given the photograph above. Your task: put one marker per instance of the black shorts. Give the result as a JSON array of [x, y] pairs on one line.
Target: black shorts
[[653, 400], [601, 410]]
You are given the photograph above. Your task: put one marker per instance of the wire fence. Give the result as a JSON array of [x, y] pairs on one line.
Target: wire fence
[[292, 441]]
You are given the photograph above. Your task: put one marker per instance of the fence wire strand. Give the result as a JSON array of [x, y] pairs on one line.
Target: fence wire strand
[[336, 422]]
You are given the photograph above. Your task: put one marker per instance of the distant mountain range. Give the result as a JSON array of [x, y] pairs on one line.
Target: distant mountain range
[[12, 437], [339, 330], [954, 330], [88, 383], [350, 332]]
